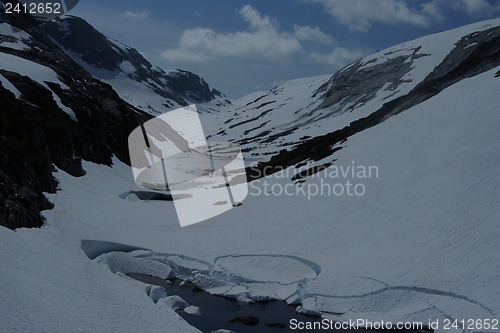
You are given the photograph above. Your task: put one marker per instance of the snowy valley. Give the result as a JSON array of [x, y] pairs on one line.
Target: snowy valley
[[420, 242]]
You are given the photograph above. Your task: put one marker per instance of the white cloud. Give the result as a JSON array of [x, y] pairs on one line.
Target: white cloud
[[477, 7], [358, 14], [257, 21], [312, 34], [473, 8], [339, 57], [138, 15], [432, 10], [262, 39]]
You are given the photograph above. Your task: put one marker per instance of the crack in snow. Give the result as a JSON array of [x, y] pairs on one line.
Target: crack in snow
[[242, 276]]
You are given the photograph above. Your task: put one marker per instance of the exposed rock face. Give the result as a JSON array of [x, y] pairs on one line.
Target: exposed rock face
[[83, 42], [36, 134], [357, 85], [288, 122], [192, 87], [78, 117], [245, 320], [473, 54]]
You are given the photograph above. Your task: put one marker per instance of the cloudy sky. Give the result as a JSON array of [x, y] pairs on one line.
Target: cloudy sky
[[244, 46]]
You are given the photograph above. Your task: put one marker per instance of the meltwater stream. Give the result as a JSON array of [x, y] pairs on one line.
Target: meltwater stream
[[217, 311]]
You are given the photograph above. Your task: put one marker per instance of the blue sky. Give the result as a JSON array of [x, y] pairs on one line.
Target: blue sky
[[242, 46]]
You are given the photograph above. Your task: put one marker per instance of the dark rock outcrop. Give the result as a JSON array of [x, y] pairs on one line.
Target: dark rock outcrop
[[83, 42], [245, 320], [36, 135], [473, 54]]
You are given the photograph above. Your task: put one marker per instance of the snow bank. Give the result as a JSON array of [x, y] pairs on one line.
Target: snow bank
[[421, 243]]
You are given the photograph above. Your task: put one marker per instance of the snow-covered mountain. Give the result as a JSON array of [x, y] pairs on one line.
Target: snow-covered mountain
[[84, 87], [141, 84], [53, 113], [363, 93], [420, 243]]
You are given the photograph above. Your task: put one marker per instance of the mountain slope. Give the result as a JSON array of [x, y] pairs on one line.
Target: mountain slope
[[415, 240], [53, 113], [141, 84], [289, 115], [420, 244], [82, 117]]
